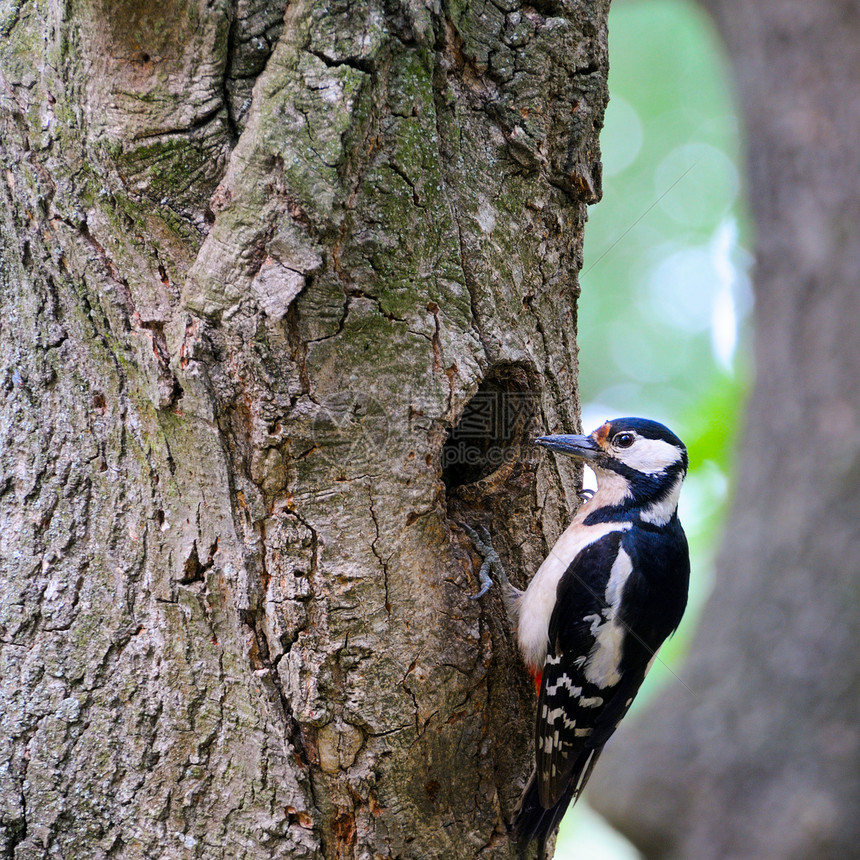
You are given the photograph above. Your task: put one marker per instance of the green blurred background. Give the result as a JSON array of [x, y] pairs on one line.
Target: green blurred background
[[665, 307]]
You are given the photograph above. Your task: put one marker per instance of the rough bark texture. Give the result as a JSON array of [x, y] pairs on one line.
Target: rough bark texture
[[236, 335], [764, 760]]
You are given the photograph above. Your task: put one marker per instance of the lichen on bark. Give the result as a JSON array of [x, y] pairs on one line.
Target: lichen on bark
[[235, 608]]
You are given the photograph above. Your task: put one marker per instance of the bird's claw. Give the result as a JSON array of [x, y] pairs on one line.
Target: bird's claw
[[585, 494], [491, 562]]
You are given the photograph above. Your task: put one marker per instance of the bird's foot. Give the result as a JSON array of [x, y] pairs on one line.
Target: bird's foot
[[584, 494], [491, 562]]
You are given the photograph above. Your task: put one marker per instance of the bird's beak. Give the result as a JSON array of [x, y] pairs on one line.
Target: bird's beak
[[582, 447]]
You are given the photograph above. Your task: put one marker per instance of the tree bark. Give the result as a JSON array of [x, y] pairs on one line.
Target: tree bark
[[763, 760], [265, 277]]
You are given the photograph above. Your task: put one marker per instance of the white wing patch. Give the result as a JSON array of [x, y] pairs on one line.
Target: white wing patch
[[538, 600], [595, 621], [622, 567], [605, 657], [604, 660]]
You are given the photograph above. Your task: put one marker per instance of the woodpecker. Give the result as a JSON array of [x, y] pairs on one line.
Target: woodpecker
[[592, 619]]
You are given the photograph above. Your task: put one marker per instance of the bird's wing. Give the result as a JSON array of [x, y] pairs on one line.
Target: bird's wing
[[583, 693]]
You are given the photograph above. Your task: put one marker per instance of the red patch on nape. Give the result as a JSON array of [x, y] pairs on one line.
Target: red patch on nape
[[538, 677]]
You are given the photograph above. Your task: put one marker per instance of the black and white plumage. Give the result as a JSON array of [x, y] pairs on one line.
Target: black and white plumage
[[591, 621]]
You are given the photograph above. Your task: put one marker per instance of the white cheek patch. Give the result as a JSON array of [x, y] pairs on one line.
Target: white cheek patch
[[649, 456]]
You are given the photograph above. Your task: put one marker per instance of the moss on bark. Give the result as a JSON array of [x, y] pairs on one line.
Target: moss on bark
[[235, 619]]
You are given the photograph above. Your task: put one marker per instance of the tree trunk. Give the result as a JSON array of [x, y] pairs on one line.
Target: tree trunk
[[283, 299], [763, 761]]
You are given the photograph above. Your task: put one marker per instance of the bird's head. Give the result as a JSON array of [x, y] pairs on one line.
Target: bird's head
[[637, 462]]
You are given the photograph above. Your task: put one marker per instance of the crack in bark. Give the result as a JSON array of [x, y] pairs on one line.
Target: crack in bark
[[382, 562], [358, 63], [182, 131], [232, 125], [440, 74]]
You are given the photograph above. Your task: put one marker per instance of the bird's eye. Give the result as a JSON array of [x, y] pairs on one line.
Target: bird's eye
[[624, 440]]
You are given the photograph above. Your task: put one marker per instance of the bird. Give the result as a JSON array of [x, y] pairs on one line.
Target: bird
[[590, 623]]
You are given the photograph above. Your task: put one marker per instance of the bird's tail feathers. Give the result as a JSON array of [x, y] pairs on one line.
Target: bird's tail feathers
[[533, 822]]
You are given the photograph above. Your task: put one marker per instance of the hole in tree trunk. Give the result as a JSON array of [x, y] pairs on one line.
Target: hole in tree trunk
[[494, 430]]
